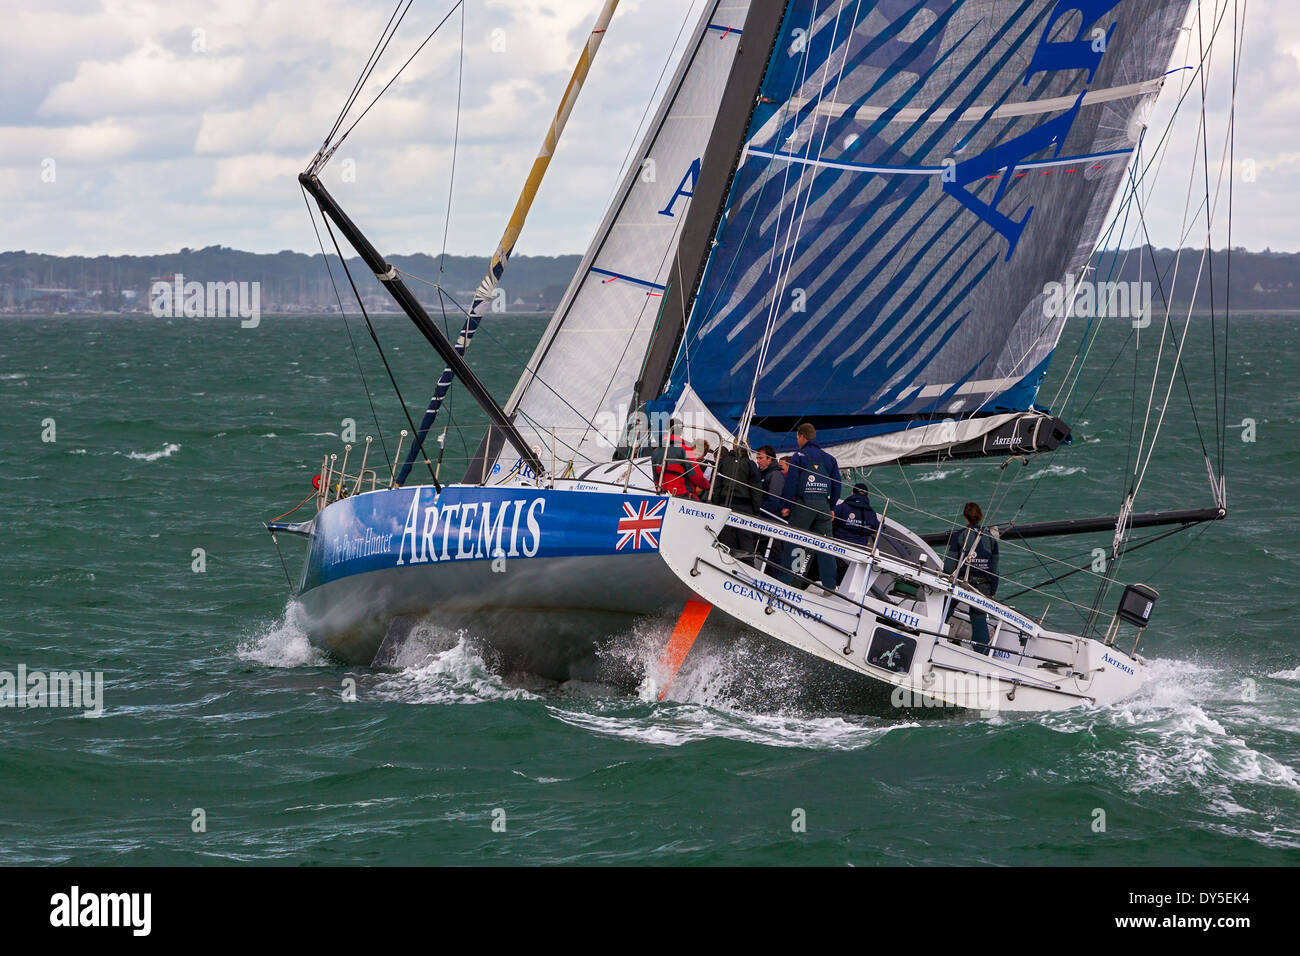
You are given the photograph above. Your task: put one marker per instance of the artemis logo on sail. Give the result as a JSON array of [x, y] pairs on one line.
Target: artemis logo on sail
[[1083, 52], [685, 189], [176, 298], [471, 529]]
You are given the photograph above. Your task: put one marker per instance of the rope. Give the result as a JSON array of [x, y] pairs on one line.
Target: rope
[[399, 72], [293, 509]]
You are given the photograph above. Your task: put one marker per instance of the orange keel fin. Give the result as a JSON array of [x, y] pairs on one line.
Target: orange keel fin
[[679, 645]]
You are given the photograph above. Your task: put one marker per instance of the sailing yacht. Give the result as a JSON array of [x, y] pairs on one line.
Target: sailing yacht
[[842, 212]]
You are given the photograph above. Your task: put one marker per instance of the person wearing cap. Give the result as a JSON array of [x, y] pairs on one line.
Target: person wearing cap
[[855, 523]]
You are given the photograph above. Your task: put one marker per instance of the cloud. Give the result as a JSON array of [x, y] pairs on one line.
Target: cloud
[[161, 144]]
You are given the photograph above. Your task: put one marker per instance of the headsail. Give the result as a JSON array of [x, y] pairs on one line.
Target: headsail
[[915, 175], [488, 287], [581, 377]]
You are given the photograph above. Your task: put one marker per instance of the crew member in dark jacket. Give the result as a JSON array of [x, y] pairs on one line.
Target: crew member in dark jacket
[[737, 485], [974, 550], [773, 482], [813, 485], [773, 504], [855, 520]]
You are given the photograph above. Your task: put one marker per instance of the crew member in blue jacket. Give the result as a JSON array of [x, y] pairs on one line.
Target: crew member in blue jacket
[[974, 550], [813, 487], [855, 520], [855, 523]]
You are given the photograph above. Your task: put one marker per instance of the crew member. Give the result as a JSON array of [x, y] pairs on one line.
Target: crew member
[[737, 485], [813, 486], [679, 472], [974, 550], [855, 522]]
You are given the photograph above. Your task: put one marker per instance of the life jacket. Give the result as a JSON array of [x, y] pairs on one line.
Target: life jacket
[[680, 475]]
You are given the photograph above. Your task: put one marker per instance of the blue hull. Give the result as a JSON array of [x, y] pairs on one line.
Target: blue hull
[[546, 574]]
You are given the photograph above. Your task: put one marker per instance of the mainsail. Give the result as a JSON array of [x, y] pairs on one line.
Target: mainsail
[[575, 394], [915, 175]]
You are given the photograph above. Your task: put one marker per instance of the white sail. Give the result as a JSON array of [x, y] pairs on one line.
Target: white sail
[[584, 369]]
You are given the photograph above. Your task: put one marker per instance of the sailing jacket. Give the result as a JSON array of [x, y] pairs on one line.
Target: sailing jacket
[[680, 475], [855, 520], [737, 483], [982, 562], [815, 476], [773, 484]]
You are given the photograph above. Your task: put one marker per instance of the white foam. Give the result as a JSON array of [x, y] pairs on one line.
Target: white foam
[[165, 452], [678, 724], [1184, 728], [1059, 471], [1292, 674], [283, 644], [456, 675]]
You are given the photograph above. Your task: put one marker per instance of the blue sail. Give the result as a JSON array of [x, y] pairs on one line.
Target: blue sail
[[915, 177]]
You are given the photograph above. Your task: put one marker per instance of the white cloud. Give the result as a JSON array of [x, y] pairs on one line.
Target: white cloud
[[161, 146]]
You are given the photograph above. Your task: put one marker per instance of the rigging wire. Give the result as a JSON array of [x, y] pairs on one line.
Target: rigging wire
[[423, 43], [791, 244], [1209, 207], [381, 45], [351, 341], [669, 249], [375, 338]]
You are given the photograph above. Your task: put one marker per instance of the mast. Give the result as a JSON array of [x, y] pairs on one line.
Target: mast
[[487, 288], [718, 169], [387, 275]]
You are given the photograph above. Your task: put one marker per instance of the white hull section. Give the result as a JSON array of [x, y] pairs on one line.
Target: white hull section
[[889, 621]]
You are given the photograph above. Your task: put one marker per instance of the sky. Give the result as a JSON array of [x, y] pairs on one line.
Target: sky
[[145, 126]]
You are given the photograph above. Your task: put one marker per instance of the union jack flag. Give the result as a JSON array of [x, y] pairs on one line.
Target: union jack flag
[[640, 525]]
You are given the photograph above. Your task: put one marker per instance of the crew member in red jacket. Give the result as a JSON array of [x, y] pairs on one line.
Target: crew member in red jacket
[[681, 475]]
